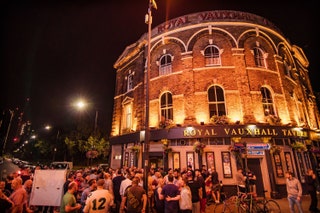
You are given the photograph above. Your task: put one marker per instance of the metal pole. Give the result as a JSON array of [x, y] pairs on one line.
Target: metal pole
[[55, 146], [96, 123], [8, 130], [147, 130]]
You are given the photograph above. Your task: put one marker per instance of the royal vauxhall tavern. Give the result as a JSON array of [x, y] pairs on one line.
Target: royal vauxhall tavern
[[225, 89]]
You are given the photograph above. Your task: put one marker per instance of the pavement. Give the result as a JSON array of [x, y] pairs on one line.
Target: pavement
[[284, 205]]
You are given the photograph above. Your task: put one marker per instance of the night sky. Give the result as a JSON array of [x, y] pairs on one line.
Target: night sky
[[56, 51]]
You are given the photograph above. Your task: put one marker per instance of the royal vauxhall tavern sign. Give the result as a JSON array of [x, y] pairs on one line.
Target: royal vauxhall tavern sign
[[245, 131], [229, 131]]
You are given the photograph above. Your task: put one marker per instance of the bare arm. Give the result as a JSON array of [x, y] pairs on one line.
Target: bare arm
[[173, 198], [144, 198], [161, 197], [122, 206]]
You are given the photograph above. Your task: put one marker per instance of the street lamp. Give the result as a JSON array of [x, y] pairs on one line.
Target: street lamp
[[82, 105], [48, 127], [148, 20], [8, 130]]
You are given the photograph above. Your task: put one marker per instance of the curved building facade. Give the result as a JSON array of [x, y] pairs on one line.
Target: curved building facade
[[226, 89]]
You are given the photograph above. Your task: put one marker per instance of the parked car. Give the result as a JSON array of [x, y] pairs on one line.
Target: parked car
[[103, 166], [62, 165]]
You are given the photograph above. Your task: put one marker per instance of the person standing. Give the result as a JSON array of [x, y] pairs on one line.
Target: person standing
[[196, 192], [100, 200], [116, 182], [28, 187], [5, 203], [216, 187], [201, 181], [294, 191], [185, 202], [92, 187], [241, 181], [171, 195], [251, 181], [311, 188], [69, 202], [135, 198], [159, 204], [19, 195], [108, 184]]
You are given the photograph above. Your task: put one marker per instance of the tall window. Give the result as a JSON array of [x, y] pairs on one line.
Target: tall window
[[212, 55], [130, 82], [166, 106], [267, 102], [259, 59], [127, 123], [287, 67], [165, 64], [216, 101]]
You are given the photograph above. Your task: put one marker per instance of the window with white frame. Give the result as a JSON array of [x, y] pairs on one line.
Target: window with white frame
[[212, 55], [216, 101], [287, 67], [166, 106], [130, 82], [267, 101], [259, 58], [127, 121], [165, 64]]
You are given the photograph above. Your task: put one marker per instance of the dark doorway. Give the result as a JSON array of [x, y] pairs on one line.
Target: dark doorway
[[254, 166], [156, 159]]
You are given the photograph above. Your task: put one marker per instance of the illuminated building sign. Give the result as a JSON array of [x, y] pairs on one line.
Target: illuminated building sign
[[215, 131], [215, 16], [244, 132]]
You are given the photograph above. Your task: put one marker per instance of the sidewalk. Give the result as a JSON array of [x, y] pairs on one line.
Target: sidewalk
[[284, 205]]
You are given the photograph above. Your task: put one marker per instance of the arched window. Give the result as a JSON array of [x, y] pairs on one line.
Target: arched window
[[212, 55], [165, 64], [129, 81], [267, 102], [166, 107], [259, 58], [216, 101], [287, 67]]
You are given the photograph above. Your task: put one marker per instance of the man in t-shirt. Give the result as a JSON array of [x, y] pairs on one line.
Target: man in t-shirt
[[171, 195], [135, 198], [196, 192], [116, 187], [69, 202], [99, 201]]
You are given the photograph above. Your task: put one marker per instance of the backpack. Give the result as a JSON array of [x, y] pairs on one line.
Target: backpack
[[132, 201]]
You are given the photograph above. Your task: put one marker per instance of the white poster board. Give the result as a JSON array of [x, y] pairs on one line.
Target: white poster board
[[47, 187]]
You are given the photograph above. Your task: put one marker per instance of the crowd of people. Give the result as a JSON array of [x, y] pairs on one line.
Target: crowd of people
[[91, 190]]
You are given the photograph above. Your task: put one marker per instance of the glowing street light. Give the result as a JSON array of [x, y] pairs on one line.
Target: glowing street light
[[82, 105]]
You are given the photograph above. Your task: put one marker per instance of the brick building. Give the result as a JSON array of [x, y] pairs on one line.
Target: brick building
[[227, 89]]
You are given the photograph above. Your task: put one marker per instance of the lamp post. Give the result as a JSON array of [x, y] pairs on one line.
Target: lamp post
[[148, 20], [8, 130], [81, 105]]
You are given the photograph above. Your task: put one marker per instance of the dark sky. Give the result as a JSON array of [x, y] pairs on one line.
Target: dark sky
[[56, 51]]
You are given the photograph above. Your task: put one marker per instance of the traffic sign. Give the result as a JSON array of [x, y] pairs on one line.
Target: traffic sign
[[256, 152], [258, 146]]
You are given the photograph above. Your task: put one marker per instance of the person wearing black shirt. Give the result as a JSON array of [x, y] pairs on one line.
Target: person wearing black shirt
[[311, 188], [196, 192], [116, 190]]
